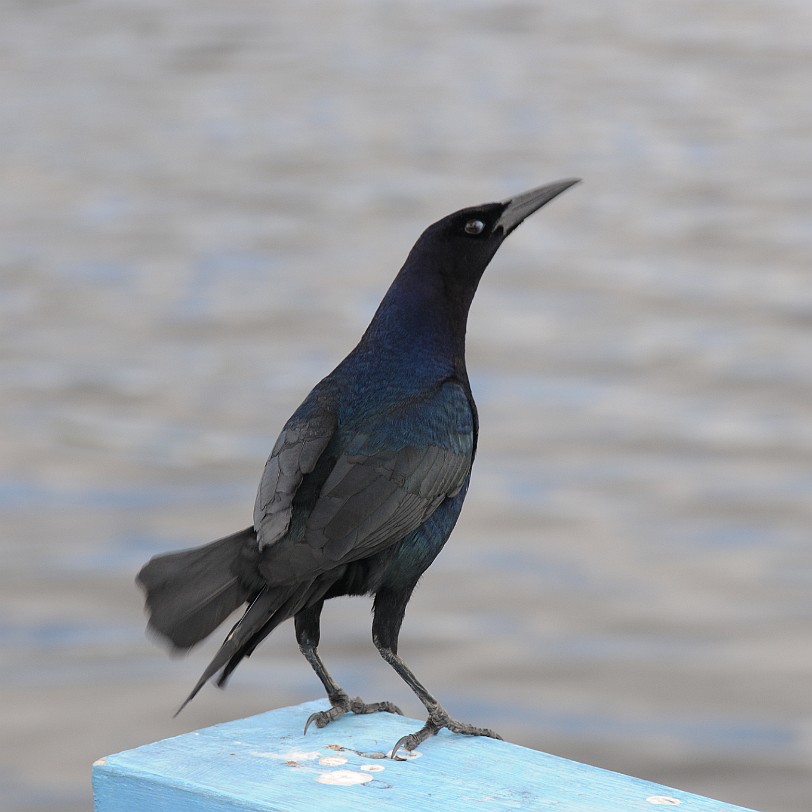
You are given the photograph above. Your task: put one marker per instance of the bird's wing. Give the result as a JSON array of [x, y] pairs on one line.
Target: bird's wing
[[296, 453], [386, 481]]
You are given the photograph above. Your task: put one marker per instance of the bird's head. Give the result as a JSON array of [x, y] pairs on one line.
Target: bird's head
[[461, 245], [427, 304]]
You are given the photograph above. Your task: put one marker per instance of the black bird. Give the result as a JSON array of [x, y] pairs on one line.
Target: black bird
[[365, 482]]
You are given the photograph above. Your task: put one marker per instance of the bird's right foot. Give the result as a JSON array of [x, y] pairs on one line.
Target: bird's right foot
[[340, 704], [439, 719]]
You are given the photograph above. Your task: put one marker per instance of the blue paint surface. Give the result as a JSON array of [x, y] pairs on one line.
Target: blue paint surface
[[265, 763]]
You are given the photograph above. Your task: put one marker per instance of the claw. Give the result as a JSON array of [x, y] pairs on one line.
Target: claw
[[310, 719], [339, 705], [411, 740], [398, 744], [308, 722], [407, 743]]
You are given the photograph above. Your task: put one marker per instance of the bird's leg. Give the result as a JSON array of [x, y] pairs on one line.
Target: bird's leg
[[307, 636], [390, 608]]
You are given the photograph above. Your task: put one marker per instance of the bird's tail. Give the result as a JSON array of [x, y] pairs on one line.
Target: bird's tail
[[269, 608], [191, 592]]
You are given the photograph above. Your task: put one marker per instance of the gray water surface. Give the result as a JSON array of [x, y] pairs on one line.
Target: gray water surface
[[202, 205]]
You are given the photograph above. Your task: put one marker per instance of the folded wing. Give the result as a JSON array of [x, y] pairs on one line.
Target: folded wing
[[385, 482]]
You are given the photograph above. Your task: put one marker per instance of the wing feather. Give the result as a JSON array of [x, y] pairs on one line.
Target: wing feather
[[384, 484], [295, 454]]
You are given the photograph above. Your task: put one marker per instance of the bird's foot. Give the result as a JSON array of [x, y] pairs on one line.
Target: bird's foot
[[340, 704], [439, 719]]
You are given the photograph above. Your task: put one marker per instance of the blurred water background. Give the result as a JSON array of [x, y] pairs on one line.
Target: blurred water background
[[203, 203]]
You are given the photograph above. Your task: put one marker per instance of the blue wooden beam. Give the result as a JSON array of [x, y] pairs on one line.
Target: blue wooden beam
[[265, 763]]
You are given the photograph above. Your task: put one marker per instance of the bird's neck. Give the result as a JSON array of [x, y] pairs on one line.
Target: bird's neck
[[420, 322]]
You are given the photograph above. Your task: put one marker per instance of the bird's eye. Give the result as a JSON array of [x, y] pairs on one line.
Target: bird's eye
[[474, 227]]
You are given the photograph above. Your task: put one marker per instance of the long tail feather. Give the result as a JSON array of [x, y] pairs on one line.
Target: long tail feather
[[191, 592], [288, 604], [259, 620]]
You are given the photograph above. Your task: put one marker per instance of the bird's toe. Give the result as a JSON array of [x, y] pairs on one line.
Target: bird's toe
[[320, 719], [408, 743], [470, 730], [357, 705], [341, 704]]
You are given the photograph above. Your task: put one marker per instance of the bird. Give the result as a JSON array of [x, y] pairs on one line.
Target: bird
[[364, 484]]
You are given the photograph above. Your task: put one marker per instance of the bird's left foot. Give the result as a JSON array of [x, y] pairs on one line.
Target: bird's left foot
[[439, 719], [340, 704]]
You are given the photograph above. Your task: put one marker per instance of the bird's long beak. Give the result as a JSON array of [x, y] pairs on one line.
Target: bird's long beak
[[522, 206]]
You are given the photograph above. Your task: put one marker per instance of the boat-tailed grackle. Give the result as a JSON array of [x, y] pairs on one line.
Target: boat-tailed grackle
[[365, 482]]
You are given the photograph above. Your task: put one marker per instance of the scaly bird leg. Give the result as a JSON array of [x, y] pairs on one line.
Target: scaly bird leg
[[438, 717], [307, 635], [389, 610]]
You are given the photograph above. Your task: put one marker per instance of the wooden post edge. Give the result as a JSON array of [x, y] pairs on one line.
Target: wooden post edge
[[265, 763]]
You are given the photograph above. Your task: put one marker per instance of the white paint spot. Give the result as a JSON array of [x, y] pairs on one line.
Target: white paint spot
[[343, 778], [372, 768], [408, 755], [663, 800], [332, 761]]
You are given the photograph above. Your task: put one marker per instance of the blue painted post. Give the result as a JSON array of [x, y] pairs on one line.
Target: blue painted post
[[265, 763]]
